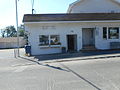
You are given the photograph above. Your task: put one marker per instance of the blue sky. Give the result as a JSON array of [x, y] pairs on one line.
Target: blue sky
[[7, 9]]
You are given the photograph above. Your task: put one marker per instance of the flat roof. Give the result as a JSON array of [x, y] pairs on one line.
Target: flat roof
[[71, 17]]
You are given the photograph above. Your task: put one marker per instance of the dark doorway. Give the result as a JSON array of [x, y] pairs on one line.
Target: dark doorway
[[72, 42]]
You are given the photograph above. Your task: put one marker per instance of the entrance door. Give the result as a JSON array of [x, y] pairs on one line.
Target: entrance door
[[88, 36], [72, 42]]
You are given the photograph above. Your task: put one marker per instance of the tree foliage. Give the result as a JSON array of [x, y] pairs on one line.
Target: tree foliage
[[10, 31], [21, 31]]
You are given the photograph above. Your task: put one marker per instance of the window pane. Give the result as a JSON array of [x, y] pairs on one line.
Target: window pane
[[44, 40], [104, 32], [55, 40], [113, 33]]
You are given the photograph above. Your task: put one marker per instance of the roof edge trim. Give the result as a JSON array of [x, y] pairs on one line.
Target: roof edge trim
[[73, 21]]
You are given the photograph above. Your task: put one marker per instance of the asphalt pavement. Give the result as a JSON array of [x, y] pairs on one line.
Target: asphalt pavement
[[88, 73]]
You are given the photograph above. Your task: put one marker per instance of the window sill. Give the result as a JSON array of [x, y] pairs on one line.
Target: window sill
[[44, 47], [51, 46], [110, 39], [113, 39], [55, 45]]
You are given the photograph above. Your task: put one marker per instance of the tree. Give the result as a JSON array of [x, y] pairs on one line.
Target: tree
[[21, 30], [2, 33], [22, 33], [9, 31]]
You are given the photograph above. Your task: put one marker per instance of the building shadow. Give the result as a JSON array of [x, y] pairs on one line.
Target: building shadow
[[69, 57], [81, 77], [46, 65], [78, 55]]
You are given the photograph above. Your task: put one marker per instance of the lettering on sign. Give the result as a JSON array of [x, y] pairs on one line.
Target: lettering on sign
[[48, 27]]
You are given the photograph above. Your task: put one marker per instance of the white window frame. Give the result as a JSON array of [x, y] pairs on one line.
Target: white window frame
[[108, 33], [59, 40], [43, 45], [118, 33], [49, 38]]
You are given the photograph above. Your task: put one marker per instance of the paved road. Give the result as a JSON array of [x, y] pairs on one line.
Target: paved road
[[7, 58], [96, 74], [77, 75], [6, 53], [10, 53]]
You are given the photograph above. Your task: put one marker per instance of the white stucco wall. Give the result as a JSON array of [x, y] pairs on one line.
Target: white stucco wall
[[94, 6], [101, 43], [59, 29], [64, 29]]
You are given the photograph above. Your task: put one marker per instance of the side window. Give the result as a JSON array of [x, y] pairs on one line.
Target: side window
[[104, 32], [113, 33], [55, 40], [44, 40]]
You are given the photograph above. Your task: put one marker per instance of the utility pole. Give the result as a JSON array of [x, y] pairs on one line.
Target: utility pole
[[32, 6], [16, 2], [32, 11]]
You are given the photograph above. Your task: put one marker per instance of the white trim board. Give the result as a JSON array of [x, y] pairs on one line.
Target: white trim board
[[117, 21]]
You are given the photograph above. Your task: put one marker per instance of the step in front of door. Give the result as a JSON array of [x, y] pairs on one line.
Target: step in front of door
[[88, 48]]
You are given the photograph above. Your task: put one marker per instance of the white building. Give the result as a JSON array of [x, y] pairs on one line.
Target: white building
[[87, 24]]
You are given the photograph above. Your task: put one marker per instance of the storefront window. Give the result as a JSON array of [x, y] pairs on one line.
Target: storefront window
[[104, 32], [49, 40], [44, 40], [54, 40], [113, 33]]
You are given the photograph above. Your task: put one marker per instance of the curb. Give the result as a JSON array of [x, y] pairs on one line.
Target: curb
[[81, 58]]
